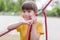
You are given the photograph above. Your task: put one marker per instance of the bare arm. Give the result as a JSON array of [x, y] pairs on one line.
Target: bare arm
[[13, 26], [35, 35]]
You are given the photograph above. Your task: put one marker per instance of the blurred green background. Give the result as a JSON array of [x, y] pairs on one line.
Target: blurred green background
[[13, 7]]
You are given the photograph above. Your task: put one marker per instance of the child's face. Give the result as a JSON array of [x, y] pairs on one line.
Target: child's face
[[27, 14]]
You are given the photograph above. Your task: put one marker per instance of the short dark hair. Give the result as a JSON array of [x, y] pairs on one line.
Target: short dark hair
[[29, 5]]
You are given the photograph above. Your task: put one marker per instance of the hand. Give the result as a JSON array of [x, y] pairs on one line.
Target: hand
[[32, 21], [33, 18]]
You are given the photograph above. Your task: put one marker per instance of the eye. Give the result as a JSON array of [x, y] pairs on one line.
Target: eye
[[23, 11], [29, 11]]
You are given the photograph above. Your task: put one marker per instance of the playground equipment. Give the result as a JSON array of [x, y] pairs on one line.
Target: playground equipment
[[29, 28]]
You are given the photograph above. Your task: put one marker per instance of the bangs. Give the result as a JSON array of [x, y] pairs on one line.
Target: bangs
[[27, 6]]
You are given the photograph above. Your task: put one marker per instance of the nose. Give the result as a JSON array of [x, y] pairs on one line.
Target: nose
[[26, 14]]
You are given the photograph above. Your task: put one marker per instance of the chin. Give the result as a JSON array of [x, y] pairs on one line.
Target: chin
[[27, 19]]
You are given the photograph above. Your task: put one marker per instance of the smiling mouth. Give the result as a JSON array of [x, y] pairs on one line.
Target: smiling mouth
[[29, 18]]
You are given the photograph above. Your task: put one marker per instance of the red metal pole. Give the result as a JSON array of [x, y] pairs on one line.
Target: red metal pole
[[28, 32], [45, 17], [6, 32]]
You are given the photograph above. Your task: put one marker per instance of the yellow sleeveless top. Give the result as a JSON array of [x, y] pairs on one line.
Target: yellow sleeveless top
[[23, 30]]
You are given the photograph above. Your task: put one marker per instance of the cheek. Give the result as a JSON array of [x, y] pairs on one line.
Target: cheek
[[23, 16], [32, 14]]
